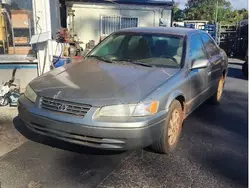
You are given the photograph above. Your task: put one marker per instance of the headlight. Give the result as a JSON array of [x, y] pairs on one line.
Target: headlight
[[30, 94], [137, 110], [146, 109]]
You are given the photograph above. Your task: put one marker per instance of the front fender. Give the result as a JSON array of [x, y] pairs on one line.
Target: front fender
[[172, 97]]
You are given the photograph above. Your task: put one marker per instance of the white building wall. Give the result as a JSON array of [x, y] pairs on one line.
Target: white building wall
[[47, 23], [87, 17], [87, 23]]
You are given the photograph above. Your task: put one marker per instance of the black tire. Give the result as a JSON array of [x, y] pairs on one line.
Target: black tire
[[245, 69], [4, 101], [217, 96], [163, 144]]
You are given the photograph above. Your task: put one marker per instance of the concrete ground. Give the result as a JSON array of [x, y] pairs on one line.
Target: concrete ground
[[213, 153], [10, 138]]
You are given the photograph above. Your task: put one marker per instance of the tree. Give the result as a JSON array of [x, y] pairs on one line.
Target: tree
[[178, 13], [244, 13], [234, 16], [206, 10]]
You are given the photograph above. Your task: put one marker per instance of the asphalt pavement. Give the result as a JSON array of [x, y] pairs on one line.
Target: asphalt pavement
[[213, 153]]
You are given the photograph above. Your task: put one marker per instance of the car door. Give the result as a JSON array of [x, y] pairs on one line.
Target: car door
[[198, 77], [215, 62]]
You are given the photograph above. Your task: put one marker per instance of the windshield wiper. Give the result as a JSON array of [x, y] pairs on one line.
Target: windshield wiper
[[137, 62], [101, 58]]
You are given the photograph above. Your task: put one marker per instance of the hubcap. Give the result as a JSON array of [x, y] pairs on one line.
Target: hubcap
[[220, 89], [174, 127]]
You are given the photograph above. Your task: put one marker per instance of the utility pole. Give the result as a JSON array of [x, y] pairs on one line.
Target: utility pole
[[216, 14], [217, 37]]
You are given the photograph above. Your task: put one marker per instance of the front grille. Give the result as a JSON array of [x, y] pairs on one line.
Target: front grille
[[65, 107]]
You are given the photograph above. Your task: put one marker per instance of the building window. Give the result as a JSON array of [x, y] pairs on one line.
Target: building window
[[110, 24], [127, 22]]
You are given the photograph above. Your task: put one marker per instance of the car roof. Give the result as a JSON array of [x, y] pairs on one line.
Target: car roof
[[161, 30]]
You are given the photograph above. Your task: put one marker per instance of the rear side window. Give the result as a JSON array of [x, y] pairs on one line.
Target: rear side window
[[196, 48], [209, 45]]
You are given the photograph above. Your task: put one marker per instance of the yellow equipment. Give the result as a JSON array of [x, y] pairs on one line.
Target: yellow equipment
[[4, 43]]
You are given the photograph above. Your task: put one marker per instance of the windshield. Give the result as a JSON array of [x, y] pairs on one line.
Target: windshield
[[158, 50]]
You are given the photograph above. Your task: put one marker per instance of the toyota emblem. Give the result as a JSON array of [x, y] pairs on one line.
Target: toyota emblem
[[62, 107]]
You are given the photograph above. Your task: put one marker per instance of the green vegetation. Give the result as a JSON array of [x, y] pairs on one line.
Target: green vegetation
[[178, 13], [206, 10]]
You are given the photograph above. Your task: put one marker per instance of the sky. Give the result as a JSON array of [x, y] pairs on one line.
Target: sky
[[237, 4]]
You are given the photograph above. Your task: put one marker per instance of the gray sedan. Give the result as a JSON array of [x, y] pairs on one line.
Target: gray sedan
[[133, 90]]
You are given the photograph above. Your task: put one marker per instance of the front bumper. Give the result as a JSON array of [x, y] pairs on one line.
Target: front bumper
[[90, 133]]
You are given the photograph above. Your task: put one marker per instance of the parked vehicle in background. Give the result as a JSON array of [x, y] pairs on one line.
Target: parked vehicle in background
[[234, 39], [245, 69], [245, 66], [9, 91], [133, 90]]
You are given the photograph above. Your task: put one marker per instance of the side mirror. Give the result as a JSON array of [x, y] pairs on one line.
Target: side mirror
[[200, 64]]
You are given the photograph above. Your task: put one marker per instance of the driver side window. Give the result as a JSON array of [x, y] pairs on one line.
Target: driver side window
[[210, 45], [196, 48]]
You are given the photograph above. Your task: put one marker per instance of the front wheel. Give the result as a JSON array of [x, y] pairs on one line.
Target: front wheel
[[171, 132], [4, 101]]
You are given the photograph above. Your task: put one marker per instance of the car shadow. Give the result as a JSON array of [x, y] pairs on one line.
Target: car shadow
[[225, 130], [230, 115], [216, 139], [19, 125]]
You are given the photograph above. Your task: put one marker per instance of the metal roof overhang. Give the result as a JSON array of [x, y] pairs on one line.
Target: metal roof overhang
[[135, 2]]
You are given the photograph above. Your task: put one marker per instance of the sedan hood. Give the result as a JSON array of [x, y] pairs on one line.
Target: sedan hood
[[98, 83]]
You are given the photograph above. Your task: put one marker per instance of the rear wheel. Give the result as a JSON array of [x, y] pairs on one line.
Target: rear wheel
[[216, 98], [172, 130]]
